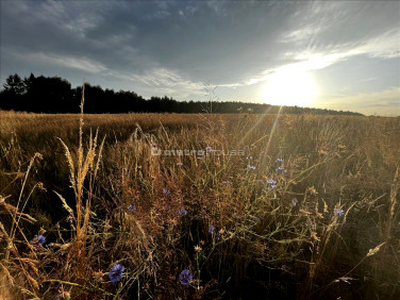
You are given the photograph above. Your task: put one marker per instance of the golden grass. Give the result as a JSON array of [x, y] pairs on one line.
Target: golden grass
[[263, 245]]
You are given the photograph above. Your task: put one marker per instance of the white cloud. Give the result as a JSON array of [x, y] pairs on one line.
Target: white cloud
[[386, 102], [302, 34], [218, 7], [386, 45], [162, 81], [83, 64]]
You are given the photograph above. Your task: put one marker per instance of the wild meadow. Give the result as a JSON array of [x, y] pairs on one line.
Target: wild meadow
[[171, 206]]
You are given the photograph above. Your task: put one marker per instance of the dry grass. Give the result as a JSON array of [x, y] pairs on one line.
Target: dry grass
[[263, 244]]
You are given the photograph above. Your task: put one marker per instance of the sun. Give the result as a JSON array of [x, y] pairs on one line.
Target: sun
[[289, 88]]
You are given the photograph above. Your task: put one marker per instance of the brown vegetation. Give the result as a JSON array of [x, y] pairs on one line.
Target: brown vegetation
[[339, 238]]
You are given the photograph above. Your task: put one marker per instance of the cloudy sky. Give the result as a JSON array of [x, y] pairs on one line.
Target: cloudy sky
[[329, 54]]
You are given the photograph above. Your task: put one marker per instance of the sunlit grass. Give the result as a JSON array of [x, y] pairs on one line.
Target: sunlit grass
[[309, 211]]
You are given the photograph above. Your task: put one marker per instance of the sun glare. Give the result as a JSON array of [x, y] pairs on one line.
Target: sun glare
[[289, 88]]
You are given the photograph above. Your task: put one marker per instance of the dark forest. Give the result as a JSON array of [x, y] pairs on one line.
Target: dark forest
[[55, 95]]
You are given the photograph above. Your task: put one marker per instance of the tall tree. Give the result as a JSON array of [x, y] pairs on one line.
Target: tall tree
[[12, 95], [14, 84]]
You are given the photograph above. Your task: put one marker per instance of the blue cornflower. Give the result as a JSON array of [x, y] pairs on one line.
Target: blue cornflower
[[183, 212], [279, 160], [211, 229], [338, 212], [116, 273], [281, 170], [185, 277], [132, 207], [272, 184], [38, 240], [251, 167], [166, 192], [208, 149]]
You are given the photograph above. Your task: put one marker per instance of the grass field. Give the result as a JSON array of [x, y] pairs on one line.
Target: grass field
[[208, 206]]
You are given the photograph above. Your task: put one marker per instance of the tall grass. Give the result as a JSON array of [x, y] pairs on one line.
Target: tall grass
[[325, 228], [80, 168]]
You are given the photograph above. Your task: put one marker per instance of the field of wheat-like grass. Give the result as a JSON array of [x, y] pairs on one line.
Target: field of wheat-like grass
[[168, 206]]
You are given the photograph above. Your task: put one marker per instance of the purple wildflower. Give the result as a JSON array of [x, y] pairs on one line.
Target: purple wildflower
[[179, 164], [338, 212], [132, 207], [185, 277], [251, 167], [38, 240], [166, 192], [279, 160], [211, 229], [183, 212], [225, 182], [281, 170], [272, 184], [116, 273], [208, 149]]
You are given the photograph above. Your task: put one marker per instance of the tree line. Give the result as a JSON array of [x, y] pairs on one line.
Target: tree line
[[55, 95]]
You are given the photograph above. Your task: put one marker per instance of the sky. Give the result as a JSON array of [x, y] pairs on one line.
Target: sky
[[342, 55]]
